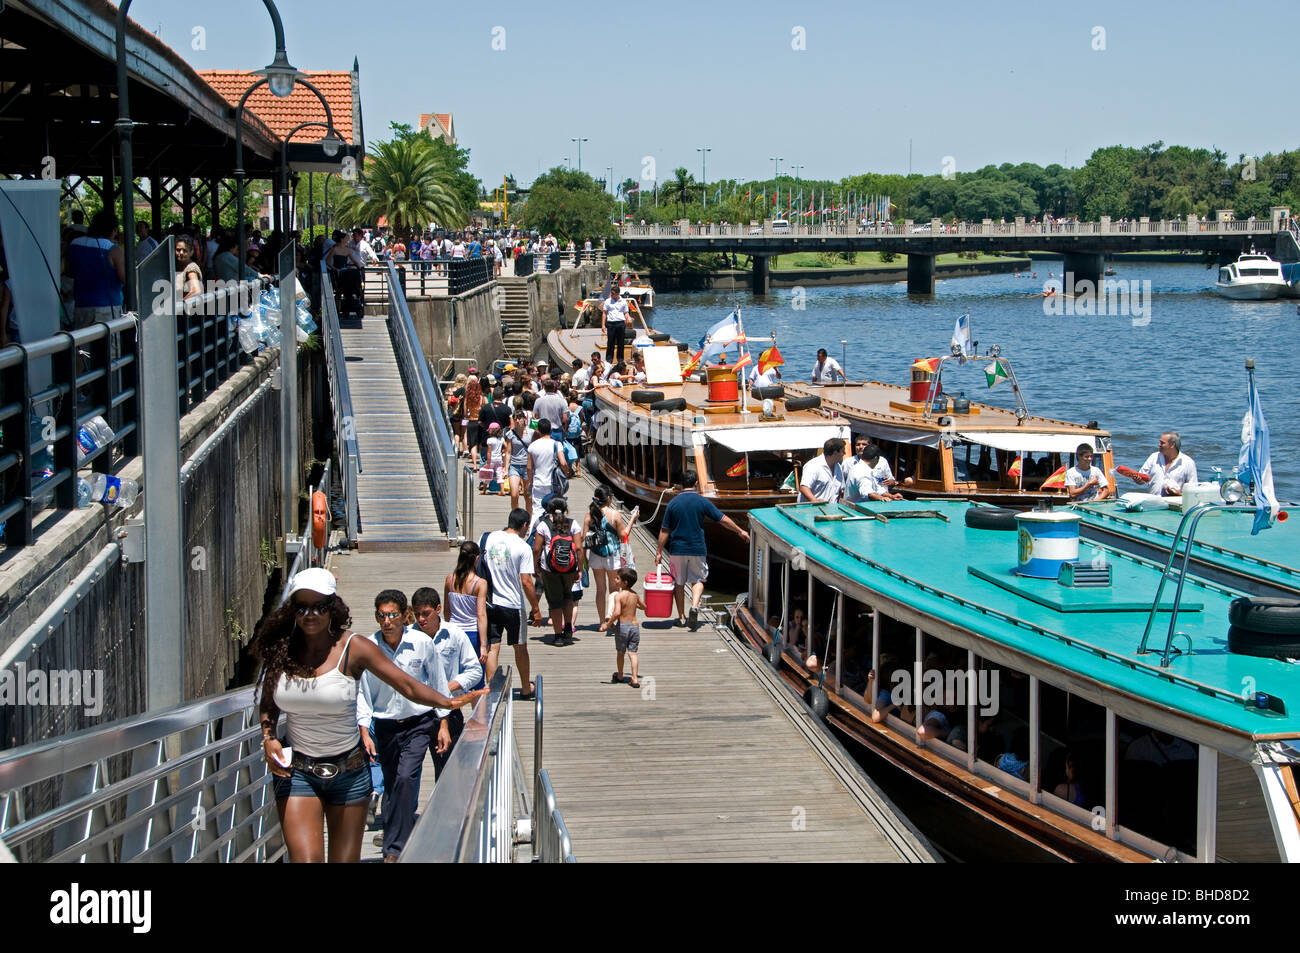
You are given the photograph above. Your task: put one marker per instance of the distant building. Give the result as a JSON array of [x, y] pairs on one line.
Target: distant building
[[438, 126]]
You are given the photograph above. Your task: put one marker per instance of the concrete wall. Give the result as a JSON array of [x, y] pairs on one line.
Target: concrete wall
[[569, 283], [477, 327]]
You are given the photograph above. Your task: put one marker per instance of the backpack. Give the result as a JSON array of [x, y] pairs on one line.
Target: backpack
[[599, 541], [559, 482], [561, 553], [481, 565]]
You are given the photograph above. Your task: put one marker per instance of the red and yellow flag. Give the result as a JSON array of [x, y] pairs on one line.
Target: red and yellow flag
[[769, 359], [693, 363], [744, 361], [1056, 481], [927, 364], [1014, 470], [739, 469]]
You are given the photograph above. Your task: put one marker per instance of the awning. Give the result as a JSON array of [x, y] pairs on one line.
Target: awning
[[1028, 441], [751, 439]]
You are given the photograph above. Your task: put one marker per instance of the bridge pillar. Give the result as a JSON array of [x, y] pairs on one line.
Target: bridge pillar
[[1083, 266], [760, 274], [920, 274]]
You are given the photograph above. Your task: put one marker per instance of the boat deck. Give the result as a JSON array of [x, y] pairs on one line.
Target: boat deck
[[965, 577]]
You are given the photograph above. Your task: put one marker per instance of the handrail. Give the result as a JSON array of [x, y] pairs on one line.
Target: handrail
[[928, 229], [553, 844], [185, 784], [431, 422], [344, 421], [307, 551]]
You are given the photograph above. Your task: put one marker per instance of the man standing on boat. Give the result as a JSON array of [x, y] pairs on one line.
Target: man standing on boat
[[1169, 468], [826, 369], [613, 322], [1084, 482], [823, 477], [861, 482], [681, 534]]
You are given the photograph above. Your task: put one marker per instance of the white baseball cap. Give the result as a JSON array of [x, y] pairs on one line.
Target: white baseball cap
[[314, 580]]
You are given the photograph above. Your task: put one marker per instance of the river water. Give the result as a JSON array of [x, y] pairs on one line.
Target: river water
[[1180, 365]]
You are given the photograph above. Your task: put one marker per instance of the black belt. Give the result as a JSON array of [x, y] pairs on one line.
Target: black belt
[[329, 767]]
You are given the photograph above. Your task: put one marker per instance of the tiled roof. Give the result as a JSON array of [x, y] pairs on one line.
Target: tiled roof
[[443, 118], [281, 115]]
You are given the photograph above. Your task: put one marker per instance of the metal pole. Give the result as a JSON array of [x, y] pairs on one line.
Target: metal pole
[[164, 548], [289, 400], [124, 129]]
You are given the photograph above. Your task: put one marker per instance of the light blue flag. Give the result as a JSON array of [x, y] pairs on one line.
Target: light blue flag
[[1255, 461], [725, 330], [961, 338]]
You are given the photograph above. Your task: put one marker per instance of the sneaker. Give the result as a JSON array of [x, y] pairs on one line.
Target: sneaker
[[694, 619], [379, 839]]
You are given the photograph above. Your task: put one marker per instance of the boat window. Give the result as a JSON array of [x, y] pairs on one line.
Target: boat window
[[1157, 785], [944, 692], [774, 603], [929, 465], [1002, 726], [892, 688], [974, 463], [796, 626], [901, 457], [1072, 747], [1225, 275], [823, 622], [757, 470]]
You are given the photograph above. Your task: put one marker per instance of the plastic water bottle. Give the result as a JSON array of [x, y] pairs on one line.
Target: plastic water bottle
[[631, 521], [106, 489], [586, 577], [95, 433]]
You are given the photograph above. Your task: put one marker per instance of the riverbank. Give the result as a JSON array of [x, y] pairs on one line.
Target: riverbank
[[741, 279]]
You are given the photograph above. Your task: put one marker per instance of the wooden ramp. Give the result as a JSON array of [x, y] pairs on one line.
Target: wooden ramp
[[396, 502], [711, 760]]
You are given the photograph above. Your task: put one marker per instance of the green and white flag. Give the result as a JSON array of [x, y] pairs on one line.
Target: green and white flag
[[997, 371]]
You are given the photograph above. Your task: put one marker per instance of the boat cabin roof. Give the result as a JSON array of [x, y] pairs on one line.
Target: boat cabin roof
[[965, 577]]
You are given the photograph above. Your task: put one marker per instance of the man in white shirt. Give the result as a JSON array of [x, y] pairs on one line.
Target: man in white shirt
[[394, 729], [1169, 468], [459, 669], [769, 378], [826, 369], [510, 567], [613, 322], [823, 476], [861, 482], [544, 455], [580, 382], [365, 252], [1084, 482]]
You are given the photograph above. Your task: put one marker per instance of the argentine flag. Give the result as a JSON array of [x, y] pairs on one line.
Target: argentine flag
[[961, 338], [1255, 462]]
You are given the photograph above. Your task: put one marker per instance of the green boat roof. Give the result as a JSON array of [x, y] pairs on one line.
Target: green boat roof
[[966, 578], [1222, 540]]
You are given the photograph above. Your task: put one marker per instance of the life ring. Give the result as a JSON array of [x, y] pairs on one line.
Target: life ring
[[673, 403], [803, 403], [319, 519], [646, 396], [1266, 616], [991, 517], [1262, 644], [774, 392]]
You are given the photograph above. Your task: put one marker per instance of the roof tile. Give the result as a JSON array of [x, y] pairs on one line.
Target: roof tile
[[281, 115]]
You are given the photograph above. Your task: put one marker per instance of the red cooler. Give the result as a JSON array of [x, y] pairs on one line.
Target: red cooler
[[658, 595]]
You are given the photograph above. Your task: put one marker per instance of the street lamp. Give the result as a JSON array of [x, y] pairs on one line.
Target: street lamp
[[579, 140], [330, 144], [566, 162], [704, 175], [797, 170], [281, 77], [776, 167]]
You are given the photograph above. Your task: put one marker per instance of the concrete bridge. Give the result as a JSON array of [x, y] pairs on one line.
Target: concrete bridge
[[1083, 245]]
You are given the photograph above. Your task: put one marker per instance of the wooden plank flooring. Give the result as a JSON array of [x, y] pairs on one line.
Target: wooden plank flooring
[[700, 764]]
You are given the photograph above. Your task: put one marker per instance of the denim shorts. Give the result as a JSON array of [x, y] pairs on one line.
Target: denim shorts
[[345, 788]]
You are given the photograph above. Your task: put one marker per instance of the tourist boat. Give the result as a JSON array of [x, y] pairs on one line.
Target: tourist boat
[[1061, 717], [946, 446], [1252, 277], [589, 312], [647, 437], [634, 288]]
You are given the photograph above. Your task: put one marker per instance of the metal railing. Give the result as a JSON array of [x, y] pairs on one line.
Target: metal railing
[[432, 427], [345, 431], [466, 274], [468, 480], [207, 340], [550, 837], [186, 784], [470, 818], [91, 372], [933, 229]]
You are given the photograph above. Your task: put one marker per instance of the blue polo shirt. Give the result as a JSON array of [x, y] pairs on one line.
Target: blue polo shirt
[[475, 250], [684, 521]]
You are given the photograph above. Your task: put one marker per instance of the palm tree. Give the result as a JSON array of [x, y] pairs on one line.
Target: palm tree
[[680, 189], [408, 184]]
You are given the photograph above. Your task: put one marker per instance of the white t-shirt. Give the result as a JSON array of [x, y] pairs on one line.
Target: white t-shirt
[[767, 379], [582, 379], [882, 471], [508, 558], [543, 452], [615, 309], [494, 445], [830, 370], [1182, 470], [860, 481], [544, 532], [1076, 477], [822, 479]]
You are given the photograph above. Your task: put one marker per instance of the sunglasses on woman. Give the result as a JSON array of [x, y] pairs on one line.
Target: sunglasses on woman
[[316, 608]]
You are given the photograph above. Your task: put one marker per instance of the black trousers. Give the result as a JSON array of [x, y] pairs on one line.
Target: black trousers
[[615, 335], [455, 724], [401, 747]]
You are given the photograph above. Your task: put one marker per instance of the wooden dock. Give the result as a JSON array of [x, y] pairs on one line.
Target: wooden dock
[[707, 761]]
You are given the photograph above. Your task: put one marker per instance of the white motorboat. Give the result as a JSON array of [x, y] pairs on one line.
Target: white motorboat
[[1252, 277], [634, 288]]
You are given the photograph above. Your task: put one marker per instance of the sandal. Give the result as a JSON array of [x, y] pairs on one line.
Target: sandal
[[635, 683]]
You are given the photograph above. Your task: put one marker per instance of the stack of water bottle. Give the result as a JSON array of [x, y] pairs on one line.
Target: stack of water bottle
[[261, 327], [101, 487]]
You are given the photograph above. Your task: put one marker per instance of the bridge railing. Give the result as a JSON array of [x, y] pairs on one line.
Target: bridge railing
[[928, 229], [345, 429]]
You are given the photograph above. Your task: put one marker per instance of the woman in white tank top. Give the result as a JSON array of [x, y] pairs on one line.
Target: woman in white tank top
[[464, 593], [310, 667]]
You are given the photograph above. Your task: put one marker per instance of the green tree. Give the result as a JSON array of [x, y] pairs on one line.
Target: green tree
[[568, 204], [681, 189], [1104, 182], [408, 182]]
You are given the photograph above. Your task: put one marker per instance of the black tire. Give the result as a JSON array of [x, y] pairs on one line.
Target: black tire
[[592, 462], [673, 403], [991, 517], [1262, 644], [775, 392], [1266, 616], [659, 337], [803, 403], [772, 652], [683, 346], [646, 396], [815, 698]]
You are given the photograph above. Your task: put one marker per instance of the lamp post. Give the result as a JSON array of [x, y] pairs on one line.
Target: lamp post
[[330, 144], [610, 179], [567, 165], [281, 77], [704, 174], [579, 140]]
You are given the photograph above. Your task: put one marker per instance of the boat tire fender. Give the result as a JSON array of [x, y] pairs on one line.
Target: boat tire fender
[[673, 403], [803, 403], [772, 652], [646, 396], [991, 517], [815, 698], [945, 421], [683, 346], [592, 463], [1262, 644], [775, 392], [1266, 616], [659, 337]]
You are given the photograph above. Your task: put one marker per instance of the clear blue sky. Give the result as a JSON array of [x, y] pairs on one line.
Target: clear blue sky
[[981, 82]]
